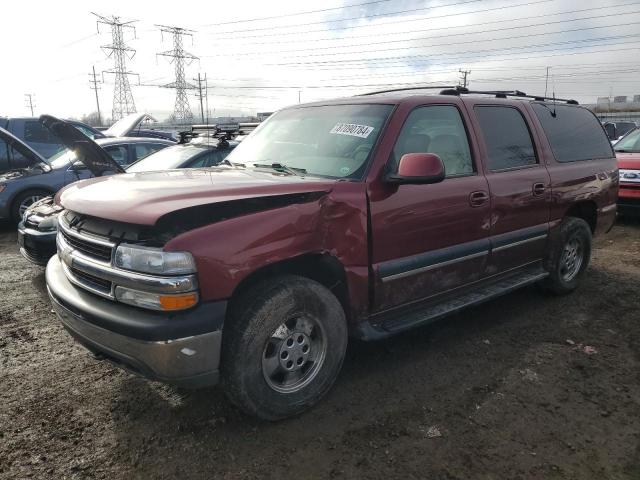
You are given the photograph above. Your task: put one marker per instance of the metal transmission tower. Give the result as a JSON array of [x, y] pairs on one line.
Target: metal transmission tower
[[123, 103], [181, 112]]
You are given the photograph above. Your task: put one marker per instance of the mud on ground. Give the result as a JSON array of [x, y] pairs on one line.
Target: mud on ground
[[525, 387]]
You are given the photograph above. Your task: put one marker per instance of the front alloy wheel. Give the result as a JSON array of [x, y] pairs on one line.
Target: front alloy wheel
[[284, 343]]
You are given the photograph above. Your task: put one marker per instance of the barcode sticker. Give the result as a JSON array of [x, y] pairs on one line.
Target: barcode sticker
[[362, 131]]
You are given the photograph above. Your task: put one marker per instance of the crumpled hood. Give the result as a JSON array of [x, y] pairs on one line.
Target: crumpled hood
[[142, 198], [629, 161]]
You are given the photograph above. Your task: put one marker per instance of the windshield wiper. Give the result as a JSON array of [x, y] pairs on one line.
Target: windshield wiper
[[299, 172]]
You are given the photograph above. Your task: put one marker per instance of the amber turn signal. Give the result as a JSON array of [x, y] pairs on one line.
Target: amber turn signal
[[178, 302]]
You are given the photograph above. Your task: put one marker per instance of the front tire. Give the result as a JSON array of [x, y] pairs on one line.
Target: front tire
[[24, 200], [569, 257], [283, 347]]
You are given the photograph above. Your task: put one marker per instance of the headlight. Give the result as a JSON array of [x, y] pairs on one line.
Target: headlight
[[154, 261]]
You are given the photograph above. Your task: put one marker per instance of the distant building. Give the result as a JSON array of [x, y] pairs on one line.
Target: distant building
[[620, 99]]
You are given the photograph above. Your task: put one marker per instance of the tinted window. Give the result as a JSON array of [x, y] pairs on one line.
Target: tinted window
[[141, 150], [18, 160], [506, 136], [4, 156], [118, 153], [573, 132], [435, 129], [87, 131], [35, 132]]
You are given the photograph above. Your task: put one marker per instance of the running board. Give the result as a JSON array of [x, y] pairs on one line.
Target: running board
[[408, 319]]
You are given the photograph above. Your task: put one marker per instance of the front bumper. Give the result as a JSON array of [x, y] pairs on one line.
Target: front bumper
[[629, 200], [180, 348], [36, 246]]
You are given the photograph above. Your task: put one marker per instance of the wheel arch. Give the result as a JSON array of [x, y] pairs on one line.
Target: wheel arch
[[587, 210], [321, 267]]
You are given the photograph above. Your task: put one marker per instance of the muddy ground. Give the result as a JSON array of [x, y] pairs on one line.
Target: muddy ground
[[525, 387]]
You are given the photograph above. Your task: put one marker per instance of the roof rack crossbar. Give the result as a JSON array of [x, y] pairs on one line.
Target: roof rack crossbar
[[506, 93], [391, 90]]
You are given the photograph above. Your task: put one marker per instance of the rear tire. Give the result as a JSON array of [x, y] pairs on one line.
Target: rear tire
[[569, 257], [24, 200], [283, 347]]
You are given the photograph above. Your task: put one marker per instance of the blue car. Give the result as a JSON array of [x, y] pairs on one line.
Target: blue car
[[38, 228], [32, 177]]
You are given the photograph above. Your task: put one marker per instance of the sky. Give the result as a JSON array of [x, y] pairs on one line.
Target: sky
[[261, 56]]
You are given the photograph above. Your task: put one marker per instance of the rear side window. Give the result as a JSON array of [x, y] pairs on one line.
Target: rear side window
[[35, 132], [142, 150], [506, 136], [4, 156], [118, 153], [574, 133]]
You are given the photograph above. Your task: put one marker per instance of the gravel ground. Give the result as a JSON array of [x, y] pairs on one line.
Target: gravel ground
[[524, 387]]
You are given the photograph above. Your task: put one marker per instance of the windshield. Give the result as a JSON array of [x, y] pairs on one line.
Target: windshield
[[62, 158], [167, 158], [630, 143], [329, 141]]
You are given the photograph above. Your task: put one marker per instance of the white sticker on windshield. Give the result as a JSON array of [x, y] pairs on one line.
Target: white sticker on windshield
[[362, 131]]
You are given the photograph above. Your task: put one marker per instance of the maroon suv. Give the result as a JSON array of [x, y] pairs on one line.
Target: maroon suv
[[357, 217]]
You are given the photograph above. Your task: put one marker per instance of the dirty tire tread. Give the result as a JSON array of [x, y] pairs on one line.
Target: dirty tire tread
[[554, 284], [254, 315]]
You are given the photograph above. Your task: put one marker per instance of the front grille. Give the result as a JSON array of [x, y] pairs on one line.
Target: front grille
[[88, 248], [92, 281]]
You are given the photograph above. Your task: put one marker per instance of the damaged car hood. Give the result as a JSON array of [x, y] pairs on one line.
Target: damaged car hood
[[88, 152], [143, 198], [126, 125], [33, 158]]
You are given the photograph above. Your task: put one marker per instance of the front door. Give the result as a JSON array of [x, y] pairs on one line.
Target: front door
[[520, 187], [428, 239]]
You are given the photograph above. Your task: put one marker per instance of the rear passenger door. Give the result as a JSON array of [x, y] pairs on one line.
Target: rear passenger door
[[519, 185], [429, 239]]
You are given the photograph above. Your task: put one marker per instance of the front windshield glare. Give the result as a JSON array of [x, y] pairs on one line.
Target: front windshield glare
[[630, 143], [62, 158], [330, 141]]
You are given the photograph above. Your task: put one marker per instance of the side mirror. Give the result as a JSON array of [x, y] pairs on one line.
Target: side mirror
[[418, 168]]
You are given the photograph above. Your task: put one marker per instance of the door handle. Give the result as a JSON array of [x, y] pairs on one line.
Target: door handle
[[539, 189], [479, 198]]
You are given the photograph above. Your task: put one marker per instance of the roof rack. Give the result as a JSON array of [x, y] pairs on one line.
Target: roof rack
[[405, 89], [458, 90]]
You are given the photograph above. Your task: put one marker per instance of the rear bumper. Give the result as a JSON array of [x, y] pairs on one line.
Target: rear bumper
[[36, 246], [134, 339]]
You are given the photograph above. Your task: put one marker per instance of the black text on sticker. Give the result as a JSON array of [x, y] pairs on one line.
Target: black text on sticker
[[352, 129]]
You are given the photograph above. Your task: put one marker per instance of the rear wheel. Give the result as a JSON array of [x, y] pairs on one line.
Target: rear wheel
[[24, 201], [283, 347], [570, 256]]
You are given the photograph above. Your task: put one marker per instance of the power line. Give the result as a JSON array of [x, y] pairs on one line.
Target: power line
[[375, 15], [261, 42], [178, 56], [452, 55], [342, 7], [403, 21], [465, 42], [123, 103]]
